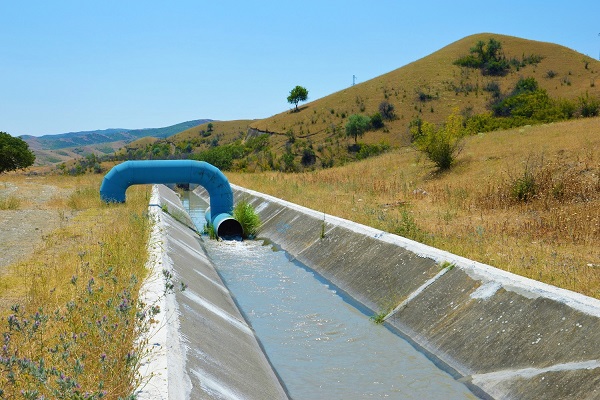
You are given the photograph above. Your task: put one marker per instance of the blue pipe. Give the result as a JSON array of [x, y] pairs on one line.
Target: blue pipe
[[120, 177]]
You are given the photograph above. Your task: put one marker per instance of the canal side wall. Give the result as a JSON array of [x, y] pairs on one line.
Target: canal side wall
[[202, 347], [506, 336]]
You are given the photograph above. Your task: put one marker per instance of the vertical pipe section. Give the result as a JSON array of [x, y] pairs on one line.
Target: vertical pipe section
[[120, 177]]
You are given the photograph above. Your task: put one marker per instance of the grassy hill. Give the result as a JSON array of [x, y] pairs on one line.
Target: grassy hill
[[429, 89], [433, 86]]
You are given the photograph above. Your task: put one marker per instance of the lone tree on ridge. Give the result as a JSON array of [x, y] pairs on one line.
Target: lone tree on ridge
[[297, 95], [14, 153]]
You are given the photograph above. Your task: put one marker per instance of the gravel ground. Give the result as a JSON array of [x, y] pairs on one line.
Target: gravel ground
[[22, 230]]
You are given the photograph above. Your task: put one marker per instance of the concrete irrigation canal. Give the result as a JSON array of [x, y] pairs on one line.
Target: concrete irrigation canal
[[299, 328], [321, 346]]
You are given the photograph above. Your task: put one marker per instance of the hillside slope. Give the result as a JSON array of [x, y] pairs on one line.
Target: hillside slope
[[433, 86]]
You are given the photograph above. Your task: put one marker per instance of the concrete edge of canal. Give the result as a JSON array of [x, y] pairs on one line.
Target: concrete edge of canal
[[201, 347], [505, 336]]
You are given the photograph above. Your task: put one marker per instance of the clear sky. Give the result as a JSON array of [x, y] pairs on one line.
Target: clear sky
[[83, 65]]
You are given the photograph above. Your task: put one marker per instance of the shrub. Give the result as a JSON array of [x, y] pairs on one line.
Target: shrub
[[588, 106], [494, 88], [222, 156], [487, 57], [525, 85], [287, 161], [258, 143], [248, 218], [386, 110], [370, 150], [376, 121], [308, 157], [496, 67], [424, 97], [524, 187], [528, 101], [442, 145]]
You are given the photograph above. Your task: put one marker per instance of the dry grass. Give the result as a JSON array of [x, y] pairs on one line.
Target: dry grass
[[10, 203], [472, 210], [72, 330]]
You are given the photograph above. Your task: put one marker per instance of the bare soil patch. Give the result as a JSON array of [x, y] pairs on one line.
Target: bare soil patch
[[38, 214]]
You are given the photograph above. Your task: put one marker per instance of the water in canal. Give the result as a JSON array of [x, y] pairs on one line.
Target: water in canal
[[321, 346]]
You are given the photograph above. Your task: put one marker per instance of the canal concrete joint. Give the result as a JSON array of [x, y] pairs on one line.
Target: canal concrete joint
[[505, 336], [201, 346]]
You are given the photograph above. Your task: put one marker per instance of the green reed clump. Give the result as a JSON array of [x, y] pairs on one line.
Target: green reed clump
[[244, 213]]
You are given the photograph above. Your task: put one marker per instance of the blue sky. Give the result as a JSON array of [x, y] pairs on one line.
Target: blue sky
[[82, 65]]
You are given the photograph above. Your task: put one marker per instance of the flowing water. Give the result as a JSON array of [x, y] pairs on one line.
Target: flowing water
[[320, 345]]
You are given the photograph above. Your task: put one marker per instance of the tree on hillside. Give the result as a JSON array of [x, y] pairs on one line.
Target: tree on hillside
[[297, 95], [357, 125], [14, 153], [488, 57]]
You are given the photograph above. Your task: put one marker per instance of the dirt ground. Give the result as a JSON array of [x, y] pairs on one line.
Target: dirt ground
[[38, 214]]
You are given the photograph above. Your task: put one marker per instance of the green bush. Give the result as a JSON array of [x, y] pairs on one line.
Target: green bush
[[370, 150], [221, 157], [588, 106], [494, 88], [376, 121], [308, 157], [488, 57], [443, 144], [244, 213]]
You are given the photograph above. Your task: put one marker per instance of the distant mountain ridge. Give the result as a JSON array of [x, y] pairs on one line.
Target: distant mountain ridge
[[87, 138]]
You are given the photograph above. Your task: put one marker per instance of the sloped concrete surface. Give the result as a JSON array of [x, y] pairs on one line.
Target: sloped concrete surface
[[506, 336], [211, 352]]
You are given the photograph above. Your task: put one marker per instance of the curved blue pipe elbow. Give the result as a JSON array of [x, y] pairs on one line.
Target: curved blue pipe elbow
[[120, 177]]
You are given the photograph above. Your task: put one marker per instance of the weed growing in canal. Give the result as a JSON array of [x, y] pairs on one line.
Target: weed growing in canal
[[209, 229], [244, 213], [447, 265], [379, 318]]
